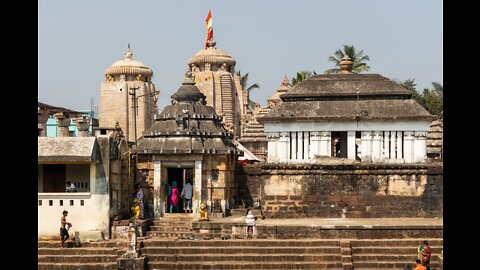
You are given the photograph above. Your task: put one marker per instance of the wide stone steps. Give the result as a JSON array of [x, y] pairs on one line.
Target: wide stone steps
[[390, 265], [78, 251], [70, 244], [179, 235], [392, 250], [242, 243], [78, 258], [242, 250], [171, 228], [77, 266], [247, 265], [394, 242], [259, 257]]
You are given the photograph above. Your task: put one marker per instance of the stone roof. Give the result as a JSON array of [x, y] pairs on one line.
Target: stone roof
[[53, 109], [389, 109], [284, 87], [345, 86], [64, 149], [347, 97], [187, 126], [128, 66], [211, 55]]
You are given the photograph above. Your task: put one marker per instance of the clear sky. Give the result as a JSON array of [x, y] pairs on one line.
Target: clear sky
[[78, 40]]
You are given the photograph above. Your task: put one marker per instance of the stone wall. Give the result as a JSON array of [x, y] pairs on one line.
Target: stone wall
[[342, 190]]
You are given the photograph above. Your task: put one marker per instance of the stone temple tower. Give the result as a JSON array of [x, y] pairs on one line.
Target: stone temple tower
[[128, 96], [214, 72]]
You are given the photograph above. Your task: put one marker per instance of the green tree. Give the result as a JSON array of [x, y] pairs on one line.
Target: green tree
[[412, 86], [246, 87], [357, 58], [300, 76], [434, 99]]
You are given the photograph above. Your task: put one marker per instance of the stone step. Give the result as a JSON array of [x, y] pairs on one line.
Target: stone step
[[246, 265], [388, 258], [171, 223], [184, 235], [77, 258], [242, 250], [244, 243], [70, 244], [77, 251], [394, 242], [391, 250], [389, 265], [77, 266], [215, 257], [171, 229]]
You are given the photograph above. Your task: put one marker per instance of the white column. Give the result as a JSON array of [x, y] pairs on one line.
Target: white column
[[158, 203], [366, 146], [386, 145], [272, 153], [393, 144], [376, 147], [197, 188], [420, 147], [399, 145], [408, 146], [294, 142], [351, 145], [283, 147], [314, 144], [300, 146], [306, 146], [325, 140]]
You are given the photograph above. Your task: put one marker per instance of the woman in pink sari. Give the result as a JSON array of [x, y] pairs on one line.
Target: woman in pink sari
[[174, 197]]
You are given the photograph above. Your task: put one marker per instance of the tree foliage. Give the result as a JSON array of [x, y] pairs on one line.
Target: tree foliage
[[430, 99], [300, 76], [248, 88], [357, 58]]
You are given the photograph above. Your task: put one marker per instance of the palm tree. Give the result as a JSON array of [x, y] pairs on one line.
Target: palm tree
[[301, 75], [357, 58], [412, 86], [244, 83]]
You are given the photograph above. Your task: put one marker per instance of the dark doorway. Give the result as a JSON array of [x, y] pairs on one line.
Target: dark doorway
[[54, 178], [180, 176], [339, 144]]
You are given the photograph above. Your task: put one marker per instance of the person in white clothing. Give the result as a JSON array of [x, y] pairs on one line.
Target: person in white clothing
[[250, 220]]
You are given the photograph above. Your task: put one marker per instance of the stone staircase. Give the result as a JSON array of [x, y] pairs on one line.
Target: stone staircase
[[391, 253], [90, 256], [173, 225], [243, 254]]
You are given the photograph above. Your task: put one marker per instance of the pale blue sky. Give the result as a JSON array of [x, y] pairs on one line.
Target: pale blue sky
[[78, 40]]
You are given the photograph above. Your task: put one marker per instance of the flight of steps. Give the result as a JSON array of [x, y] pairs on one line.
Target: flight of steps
[[243, 254], [391, 253], [90, 256], [227, 98], [174, 225]]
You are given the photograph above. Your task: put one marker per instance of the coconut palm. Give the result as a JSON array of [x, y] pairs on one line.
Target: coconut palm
[[244, 84], [301, 75], [357, 58]]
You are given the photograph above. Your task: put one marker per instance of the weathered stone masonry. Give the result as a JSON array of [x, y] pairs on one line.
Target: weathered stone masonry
[[350, 190]]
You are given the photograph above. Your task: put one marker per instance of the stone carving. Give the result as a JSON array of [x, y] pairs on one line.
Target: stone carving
[[138, 78], [109, 78], [132, 243], [203, 212], [207, 66], [195, 68], [223, 67], [122, 77]]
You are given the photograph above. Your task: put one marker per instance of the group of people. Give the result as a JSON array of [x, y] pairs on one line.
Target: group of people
[[173, 195], [423, 257]]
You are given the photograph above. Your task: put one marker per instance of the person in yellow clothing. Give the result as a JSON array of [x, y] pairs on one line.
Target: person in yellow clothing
[[136, 209]]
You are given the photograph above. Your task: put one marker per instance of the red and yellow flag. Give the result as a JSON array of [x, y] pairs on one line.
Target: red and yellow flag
[[208, 22]]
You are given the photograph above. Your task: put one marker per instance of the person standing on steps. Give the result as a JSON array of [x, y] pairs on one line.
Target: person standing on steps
[[186, 194], [64, 227], [174, 197], [250, 220]]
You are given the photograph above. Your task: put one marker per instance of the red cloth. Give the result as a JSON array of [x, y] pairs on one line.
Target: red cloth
[[426, 254]]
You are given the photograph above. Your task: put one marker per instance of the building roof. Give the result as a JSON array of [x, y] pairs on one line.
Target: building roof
[[128, 66], [65, 149], [53, 109], [347, 97], [211, 55], [187, 126]]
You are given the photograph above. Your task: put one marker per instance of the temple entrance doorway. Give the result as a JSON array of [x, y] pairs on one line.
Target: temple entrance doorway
[[180, 177], [339, 144]]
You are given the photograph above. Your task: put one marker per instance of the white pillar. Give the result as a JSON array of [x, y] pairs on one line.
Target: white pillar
[[366, 146], [393, 147], [325, 140], [306, 146], [399, 145], [386, 145], [272, 153], [351, 145], [376, 147], [294, 142], [300, 146], [314, 144], [158, 203], [420, 147], [284, 147], [408, 146], [197, 188]]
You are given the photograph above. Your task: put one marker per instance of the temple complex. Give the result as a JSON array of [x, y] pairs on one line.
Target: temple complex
[[364, 117], [128, 96], [189, 142]]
